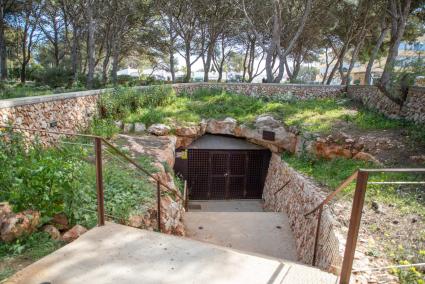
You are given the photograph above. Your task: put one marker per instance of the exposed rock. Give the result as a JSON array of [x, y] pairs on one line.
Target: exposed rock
[[128, 127], [226, 126], [363, 156], [139, 221], [74, 233], [60, 221], [191, 131], [183, 141], [171, 216], [418, 159], [139, 127], [267, 122], [16, 225], [376, 207], [52, 231], [159, 129], [331, 151], [5, 211]]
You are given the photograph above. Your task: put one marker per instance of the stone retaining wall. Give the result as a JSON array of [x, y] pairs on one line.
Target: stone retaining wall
[[371, 97], [302, 92], [286, 190], [72, 111], [61, 112]]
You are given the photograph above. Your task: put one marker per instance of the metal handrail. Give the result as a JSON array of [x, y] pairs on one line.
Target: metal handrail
[[361, 176], [343, 185]]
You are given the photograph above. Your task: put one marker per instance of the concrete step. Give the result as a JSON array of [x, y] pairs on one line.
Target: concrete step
[[265, 233], [120, 254]]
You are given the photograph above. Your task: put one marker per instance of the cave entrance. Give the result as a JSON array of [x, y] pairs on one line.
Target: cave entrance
[[220, 167]]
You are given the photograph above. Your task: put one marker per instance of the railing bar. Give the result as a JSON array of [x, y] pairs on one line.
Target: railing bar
[[335, 192], [158, 199], [141, 168], [396, 182], [316, 239], [51, 132], [396, 170], [99, 182], [353, 228]]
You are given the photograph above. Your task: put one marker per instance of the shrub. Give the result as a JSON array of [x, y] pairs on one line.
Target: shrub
[[63, 179], [54, 77]]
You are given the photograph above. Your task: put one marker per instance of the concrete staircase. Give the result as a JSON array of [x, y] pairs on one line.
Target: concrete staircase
[[120, 254]]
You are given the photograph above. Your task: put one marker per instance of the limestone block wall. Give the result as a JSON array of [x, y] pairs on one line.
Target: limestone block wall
[[286, 190], [371, 97], [302, 92], [61, 112]]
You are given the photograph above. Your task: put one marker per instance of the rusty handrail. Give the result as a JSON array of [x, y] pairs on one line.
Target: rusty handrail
[[361, 176], [343, 185]]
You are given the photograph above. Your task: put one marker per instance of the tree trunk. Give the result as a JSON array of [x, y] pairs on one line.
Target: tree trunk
[[188, 64], [398, 25], [90, 46], [207, 66], [337, 64], [74, 54], [116, 49], [368, 74], [105, 66], [3, 53]]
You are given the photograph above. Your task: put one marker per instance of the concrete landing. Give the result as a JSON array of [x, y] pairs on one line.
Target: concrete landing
[[266, 233], [226, 206], [120, 254]]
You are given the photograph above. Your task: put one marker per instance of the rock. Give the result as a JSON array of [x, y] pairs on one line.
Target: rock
[[139, 127], [183, 141], [267, 122], [5, 210], [119, 124], [60, 221], [376, 207], [418, 159], [191, 131], [74, 233], [19, 224], [52, 231], [128, 127], [137, 221], [331, 151], [159, 129], [396, 222], [363, 156], [226, 126]]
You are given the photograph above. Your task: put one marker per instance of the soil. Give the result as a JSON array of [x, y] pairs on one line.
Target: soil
[[392, 147]]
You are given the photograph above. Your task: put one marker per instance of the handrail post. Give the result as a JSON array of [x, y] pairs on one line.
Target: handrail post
[[158, 198], [353, 230], [316, 239], [99, 182], [185, 194]]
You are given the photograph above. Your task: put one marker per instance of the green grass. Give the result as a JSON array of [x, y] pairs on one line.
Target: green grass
[[17, 90], [161, 105], [27, 249], [331, 173]]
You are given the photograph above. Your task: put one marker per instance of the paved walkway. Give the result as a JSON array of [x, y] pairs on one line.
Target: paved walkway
[[241, 225], [120, 254]]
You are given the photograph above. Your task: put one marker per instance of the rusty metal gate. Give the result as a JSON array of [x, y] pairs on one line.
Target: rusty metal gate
[[226, 174]]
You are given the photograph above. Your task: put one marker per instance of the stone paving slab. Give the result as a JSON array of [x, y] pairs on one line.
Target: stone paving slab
[[120, 254], [267, 233]]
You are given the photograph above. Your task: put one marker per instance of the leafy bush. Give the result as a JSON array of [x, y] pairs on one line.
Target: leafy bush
[[103, 127], [54, 77], [124, 101], [63, 179]]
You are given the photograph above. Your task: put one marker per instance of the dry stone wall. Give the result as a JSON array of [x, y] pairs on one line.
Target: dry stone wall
[[370, 96], [286, 190], [62, 112], [302, 92]]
